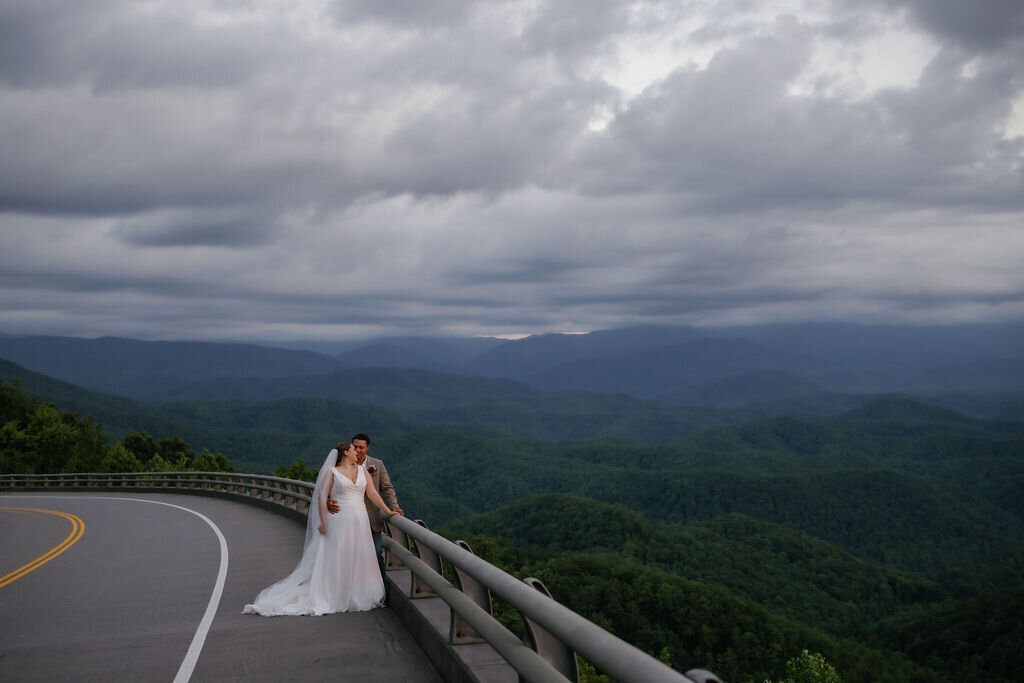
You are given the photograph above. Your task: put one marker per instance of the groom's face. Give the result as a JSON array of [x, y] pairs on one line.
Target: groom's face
[[361, 448]]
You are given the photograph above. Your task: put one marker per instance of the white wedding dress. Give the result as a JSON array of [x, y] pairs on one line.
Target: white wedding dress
[[338, 571]]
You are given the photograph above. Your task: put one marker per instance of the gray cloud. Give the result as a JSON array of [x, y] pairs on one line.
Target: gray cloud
[[733, 133], [113, 44], [981, 24], [404, 13], [220, 169], [229, 229]]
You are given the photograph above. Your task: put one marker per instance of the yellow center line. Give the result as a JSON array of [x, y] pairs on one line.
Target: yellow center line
[[77, 529]]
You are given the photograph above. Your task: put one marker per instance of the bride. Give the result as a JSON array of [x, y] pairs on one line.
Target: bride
[[338, 571]]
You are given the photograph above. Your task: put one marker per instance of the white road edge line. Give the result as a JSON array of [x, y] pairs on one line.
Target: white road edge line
[[188, 665]]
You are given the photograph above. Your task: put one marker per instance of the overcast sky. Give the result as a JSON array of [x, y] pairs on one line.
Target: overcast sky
[[293, 169]]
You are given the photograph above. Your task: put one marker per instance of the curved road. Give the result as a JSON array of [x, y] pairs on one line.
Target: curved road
[[129, 587]]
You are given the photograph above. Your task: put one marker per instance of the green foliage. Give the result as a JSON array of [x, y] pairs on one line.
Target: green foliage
[[588, 674], [172, 454], [809, 667], [299, 470], [799, 579], [791, 573], [692, 624], [141, 445], [120, 459], [40, 438], [206, 461], [979, 638], [861, 486]]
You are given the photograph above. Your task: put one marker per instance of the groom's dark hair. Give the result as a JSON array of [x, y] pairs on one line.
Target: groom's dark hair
[[361, 437]]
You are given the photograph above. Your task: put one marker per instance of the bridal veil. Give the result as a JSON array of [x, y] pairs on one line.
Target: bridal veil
[[279, 592]]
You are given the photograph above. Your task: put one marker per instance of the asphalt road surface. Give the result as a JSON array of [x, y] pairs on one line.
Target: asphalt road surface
[[150, 587]]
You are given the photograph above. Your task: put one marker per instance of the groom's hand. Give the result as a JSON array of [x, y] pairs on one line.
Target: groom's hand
[[332, 506]]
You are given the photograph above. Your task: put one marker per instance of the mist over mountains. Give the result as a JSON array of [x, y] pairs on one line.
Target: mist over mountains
[[682, 365]]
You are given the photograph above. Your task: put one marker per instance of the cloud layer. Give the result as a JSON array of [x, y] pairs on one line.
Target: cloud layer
[[233, 169]]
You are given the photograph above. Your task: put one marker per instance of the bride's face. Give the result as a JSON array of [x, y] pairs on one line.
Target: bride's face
[[351, 452]]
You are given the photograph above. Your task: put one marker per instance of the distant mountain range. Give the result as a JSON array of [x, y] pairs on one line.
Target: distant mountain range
[[734, 366], [141, 369]]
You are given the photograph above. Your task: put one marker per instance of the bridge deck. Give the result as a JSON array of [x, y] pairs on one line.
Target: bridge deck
[[126, 600]]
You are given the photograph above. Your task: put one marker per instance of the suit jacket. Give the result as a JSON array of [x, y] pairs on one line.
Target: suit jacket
[[383, 483]]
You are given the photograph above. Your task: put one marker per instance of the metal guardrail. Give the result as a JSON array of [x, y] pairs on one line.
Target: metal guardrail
[[288, 493], [554, 633]]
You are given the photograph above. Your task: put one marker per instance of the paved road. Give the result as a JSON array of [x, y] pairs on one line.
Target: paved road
[[150, 587]]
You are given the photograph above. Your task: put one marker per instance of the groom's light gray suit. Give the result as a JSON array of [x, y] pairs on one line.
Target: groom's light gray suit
[[379, 473]]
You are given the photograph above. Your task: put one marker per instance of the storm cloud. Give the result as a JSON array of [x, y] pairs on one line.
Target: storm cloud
[[270, 170]]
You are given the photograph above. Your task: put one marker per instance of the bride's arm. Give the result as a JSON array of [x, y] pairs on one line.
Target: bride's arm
[[323, 492], [322, 506], [371, 492]]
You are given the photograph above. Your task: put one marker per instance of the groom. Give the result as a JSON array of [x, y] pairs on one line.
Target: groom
[[379, 473]]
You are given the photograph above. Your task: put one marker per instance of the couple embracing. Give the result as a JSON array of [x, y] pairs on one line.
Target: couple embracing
[[342, 565]]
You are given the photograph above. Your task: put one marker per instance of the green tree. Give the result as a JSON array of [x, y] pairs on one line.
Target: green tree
[[120, 459], [172, 454], [809, 667], [40, 438], [299, 470], [588, 674], [158, 464], [141, 445], [174, 449], [212, 462]]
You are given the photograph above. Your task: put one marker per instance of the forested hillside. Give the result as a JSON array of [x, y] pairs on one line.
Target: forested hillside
[[792, 573], [140, 369], [41, 438], [694, 623]]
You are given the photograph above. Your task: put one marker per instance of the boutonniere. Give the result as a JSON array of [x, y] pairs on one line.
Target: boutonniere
[[371, 469]]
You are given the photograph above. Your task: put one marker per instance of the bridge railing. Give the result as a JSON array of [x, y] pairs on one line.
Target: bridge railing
[[289, 494], [554, 633]]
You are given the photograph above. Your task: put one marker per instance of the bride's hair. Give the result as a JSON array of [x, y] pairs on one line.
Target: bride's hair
[[341, 448]]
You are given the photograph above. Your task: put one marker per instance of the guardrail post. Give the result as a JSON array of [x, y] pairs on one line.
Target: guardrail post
[[391, 560], [554, 651], [460, 632], [420, 589]]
